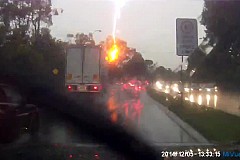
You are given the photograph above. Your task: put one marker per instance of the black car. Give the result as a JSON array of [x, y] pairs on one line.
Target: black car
[[16, 116]]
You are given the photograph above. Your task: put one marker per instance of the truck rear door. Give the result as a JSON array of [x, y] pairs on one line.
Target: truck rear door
[[91, 65], [74, 64]]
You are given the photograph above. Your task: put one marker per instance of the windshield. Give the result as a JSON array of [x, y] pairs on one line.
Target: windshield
[[166, 71]]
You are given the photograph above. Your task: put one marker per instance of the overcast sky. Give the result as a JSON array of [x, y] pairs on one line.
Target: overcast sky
[[147, 25]]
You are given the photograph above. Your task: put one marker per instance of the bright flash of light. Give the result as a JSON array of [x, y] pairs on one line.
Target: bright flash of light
[[112, 54], [118, 5]]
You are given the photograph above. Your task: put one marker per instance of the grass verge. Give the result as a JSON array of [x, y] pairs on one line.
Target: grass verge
[[215, 125]]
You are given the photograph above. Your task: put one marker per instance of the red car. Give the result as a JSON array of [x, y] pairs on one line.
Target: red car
[[16, 116]]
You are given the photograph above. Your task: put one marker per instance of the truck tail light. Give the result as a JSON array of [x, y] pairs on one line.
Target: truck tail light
[[94, 88], [69, 88]]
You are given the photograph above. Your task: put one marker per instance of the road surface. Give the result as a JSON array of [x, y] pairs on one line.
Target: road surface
[[142, 115]]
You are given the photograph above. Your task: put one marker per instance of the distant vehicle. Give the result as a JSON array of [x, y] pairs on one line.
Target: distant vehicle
[[119, 83], [167, 88], [85, 70], [16, 116], [195, 87], [133, 87], [146, 83], [209, 87], [159, 85], [128, 86]]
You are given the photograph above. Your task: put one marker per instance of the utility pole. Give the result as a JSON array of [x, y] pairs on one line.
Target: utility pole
[[182, 83]]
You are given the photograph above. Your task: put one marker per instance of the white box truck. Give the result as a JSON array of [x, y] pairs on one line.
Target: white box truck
[[85, 70]]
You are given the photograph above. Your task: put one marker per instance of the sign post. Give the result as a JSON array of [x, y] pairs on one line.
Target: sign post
[[186, 41], [186, 36]]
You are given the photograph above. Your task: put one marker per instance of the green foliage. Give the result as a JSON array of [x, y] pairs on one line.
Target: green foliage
[[148, 62], [166, 74], [26, 48], [195, 59], [82, 39], [221, 19], [135, 66], [25, 17]]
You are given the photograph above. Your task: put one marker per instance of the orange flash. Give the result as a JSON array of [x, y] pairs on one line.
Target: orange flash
[[112, 54]]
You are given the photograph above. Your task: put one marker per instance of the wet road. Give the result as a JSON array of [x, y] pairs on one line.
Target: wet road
[[141, 115], [144, 116]]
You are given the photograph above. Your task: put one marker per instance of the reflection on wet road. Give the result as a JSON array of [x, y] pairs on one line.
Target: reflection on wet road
[[137, 113], [143, 115]]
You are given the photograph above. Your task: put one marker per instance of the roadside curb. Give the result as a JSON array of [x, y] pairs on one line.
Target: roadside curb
[[183, 125]]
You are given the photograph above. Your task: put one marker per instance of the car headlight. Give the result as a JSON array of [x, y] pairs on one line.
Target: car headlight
[[175, 89], [159, 85], [186, 89]]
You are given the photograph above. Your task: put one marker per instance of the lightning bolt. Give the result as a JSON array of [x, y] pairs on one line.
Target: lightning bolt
[[118, 5]]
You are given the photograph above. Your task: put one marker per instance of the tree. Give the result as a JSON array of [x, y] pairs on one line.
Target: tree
[[221, 19], [25, 17], [82, 39], [2, 34], [129, 62], [166, 74], [149, 62], [195, 59], [27, 48], [135, 67]]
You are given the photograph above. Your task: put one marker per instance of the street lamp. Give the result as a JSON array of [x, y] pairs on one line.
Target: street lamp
[[98, 30], [91, 33]]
